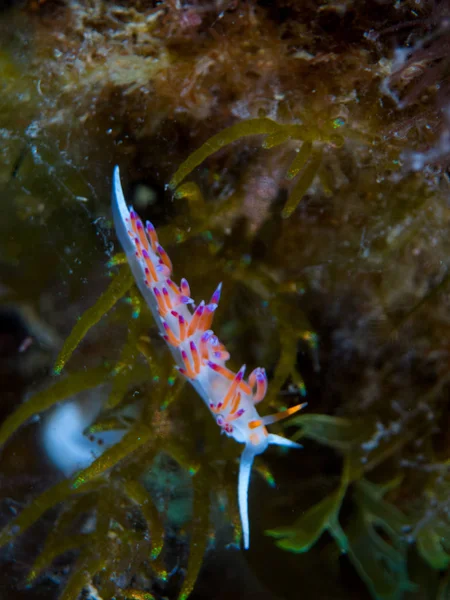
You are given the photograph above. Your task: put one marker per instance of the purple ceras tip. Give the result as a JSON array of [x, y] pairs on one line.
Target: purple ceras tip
[[184, 285], [240, 373], [260, 374], [205, 337], [216, 296], [200, 308]]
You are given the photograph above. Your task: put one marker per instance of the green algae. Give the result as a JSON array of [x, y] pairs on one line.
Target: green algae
[[54, 495], [199, 526], [345, 435], [377, 546], [305, 532], [61, 539], [307, 165], [42, 401], [433, 546], [117, 289], [139, 495], [130, 442], [380, 563], [216, 142], [305, 180], [120, 465]]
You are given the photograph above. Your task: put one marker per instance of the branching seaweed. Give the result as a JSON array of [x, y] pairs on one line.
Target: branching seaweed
[[380, 563], [307, 165], [109, 539]]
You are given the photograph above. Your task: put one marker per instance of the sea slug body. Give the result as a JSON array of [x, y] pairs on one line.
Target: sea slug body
[[198, 353]]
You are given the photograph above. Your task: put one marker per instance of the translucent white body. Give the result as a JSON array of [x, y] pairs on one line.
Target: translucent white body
[[199, 354]]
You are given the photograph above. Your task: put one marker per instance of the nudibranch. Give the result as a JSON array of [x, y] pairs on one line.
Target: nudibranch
[[197, 351]]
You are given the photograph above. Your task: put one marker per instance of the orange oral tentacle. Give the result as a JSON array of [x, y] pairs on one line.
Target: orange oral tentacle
[[283, 414]]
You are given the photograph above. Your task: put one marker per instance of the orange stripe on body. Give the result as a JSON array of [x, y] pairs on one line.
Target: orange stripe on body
[[235, 405]]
